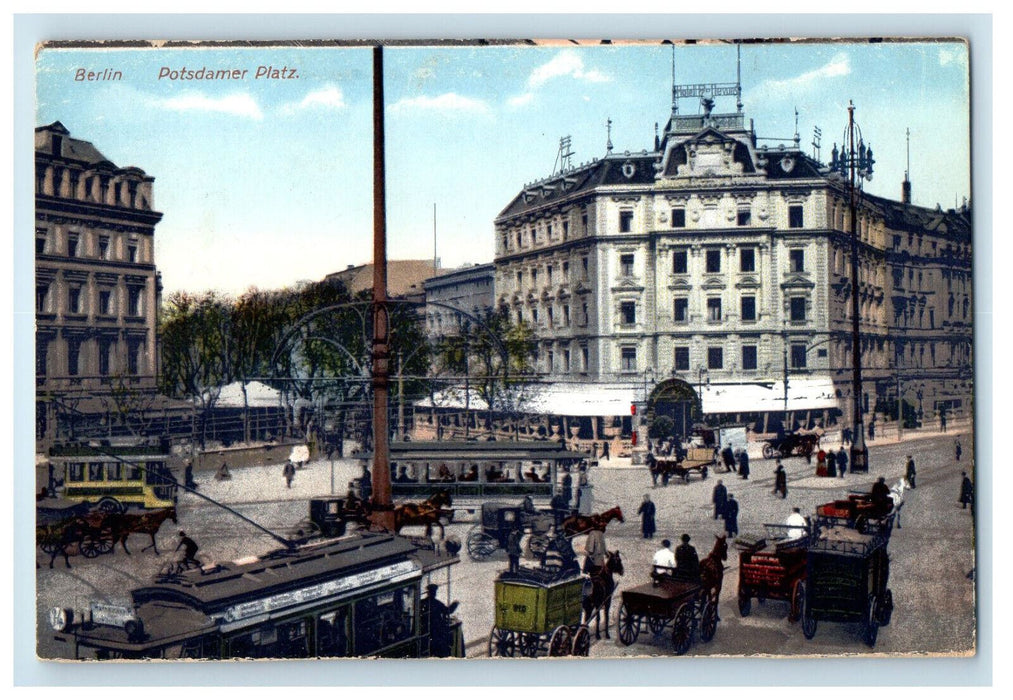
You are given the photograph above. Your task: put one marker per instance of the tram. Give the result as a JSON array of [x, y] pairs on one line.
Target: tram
[[357, 595], [480, 470], [114, 473]]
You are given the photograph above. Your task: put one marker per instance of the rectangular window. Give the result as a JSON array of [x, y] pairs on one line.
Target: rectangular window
[[566, 272], [72, 245], [798, 308], [795, 216], [73, 357], [550, 361], [74, 300], [629, 360], [626, 264], [42, 298], [135, 301], [798, 355], [583, 262], [566, 230], [797, 258], [583, 359], [625, 221], [552, 318], [681, 310], [548, 230], [95, 471], [679, 218], [534, 276], [548, 274], [566, 360], [103, 247], [518, 239], [134, 357], [104, 357], [105, 302], [682, 359], [628, 313], [583, 312], [566, 314], [583, 220], [520, 278], [40, 241], [680, 263], [715, 358], [713, 261], [534, 316], [748, 357], [749, 308], [747, 260], [743, 218], [75, 471], [41, 357], [132, 251], [714, 309], [114, 471]]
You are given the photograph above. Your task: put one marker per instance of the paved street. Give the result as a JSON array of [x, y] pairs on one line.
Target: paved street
[[930, 555]]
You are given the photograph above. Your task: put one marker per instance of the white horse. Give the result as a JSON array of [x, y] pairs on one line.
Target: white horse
[[897, 496]]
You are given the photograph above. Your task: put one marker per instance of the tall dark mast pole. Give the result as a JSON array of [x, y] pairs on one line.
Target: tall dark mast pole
[[383, 514], [859, 451]]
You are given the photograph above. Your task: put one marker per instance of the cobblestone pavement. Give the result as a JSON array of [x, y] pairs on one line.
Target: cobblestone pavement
[[930, 555]]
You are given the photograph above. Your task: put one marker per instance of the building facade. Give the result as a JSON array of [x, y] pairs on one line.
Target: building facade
[[713, 263], [97, 290], [467, 289]]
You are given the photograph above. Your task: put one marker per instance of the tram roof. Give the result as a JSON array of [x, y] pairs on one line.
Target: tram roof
[[495, 450]]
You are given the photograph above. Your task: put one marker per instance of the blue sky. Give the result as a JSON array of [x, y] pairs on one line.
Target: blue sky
[[267, 182]]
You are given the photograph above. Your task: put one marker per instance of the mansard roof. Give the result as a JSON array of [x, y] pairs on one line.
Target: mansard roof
[[952, 223], [70, 148]]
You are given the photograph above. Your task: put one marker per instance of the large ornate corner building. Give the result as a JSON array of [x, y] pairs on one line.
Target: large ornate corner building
[[97, 291], [721, 269]]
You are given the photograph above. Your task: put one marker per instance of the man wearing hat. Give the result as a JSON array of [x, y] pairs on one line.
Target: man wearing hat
[[910, 472], [436, 617], [687, 563], [732, 516]]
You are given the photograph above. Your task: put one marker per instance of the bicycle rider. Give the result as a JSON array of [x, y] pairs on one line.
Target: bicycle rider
[[189, 548]]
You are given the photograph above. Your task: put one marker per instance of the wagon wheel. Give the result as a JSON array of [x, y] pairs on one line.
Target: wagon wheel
[[682, 632], [50, 541], [808, 620], [110, 505], [528, 645], [628, 626], [480, 545], [656, 624], [709, 624], [871, 631], [745, 601], [797, 601], [561, 641], [581, 641], [501, 642], [768, 451], [90, 545], [886, 608], [862, 523], [537, 544]]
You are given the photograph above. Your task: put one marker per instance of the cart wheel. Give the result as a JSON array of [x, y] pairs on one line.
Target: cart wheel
[[480, 545], [703, 472], [628, 626], [561, 641], [656, 624], [871, 631], [797, 601], [682, 632], [862, 523], [50, 542], [886, 608], [528, 645], [110, 505], [745, 602], [581, 641], [90, 546], [501, 642], [768, 451], [709, 624], [808, 620], [106, 541]]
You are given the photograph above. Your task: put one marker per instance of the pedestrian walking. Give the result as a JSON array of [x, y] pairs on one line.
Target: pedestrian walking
[[831, 463], [223, 473], [966, 490], [289, 473], [872, 429], [652, 467], [743, 463], [513, 548], [365, 484], [567, 486], [605, 450], [728, 457], [780, 481], [821, 462], [646, 513], [956, 448], [719, 498], [842, 461], [188, 475], [909, 471], [942, 420], [732, 516]]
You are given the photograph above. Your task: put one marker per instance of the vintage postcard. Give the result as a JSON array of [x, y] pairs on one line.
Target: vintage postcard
[[514, 350]]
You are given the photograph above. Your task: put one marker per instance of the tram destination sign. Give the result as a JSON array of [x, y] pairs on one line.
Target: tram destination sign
[[260, 606]]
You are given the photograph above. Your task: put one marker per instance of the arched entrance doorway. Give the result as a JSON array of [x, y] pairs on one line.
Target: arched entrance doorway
[[676, 400]]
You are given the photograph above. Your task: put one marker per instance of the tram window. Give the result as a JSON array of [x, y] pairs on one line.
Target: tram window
[[155, 473], [95, 470], [332, 633], [384, 619], [114, 471], [133, 472], [75, 471], [287, 640]]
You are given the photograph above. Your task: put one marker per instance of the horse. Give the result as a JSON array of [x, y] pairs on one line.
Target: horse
[[598, 590], [712, 571], [578, 524], [426, 513], [71, 533], [125, 524]]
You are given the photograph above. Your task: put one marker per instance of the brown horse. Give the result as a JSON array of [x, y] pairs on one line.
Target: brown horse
[[712, 571], [598, 590], [577, 524], [125, 524], [426, 513]]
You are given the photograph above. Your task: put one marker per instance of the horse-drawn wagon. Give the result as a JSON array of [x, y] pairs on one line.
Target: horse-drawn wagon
[[791, 444], [773, 567], [498, 520], [695, 460], [860, 511], [539, 617], [847, 572]]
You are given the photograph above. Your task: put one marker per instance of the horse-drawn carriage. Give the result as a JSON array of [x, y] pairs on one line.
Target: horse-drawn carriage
[[697, 460], [791, 444], [539, 618], [773, 567], [847, 572], [687, 604], [498, 520], [68, 527], [860, 511]]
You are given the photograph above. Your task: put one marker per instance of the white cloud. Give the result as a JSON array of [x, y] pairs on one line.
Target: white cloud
[[447, 102], [326, 97], [521, 100], [838, 66], [239, 105], [565, 63]]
